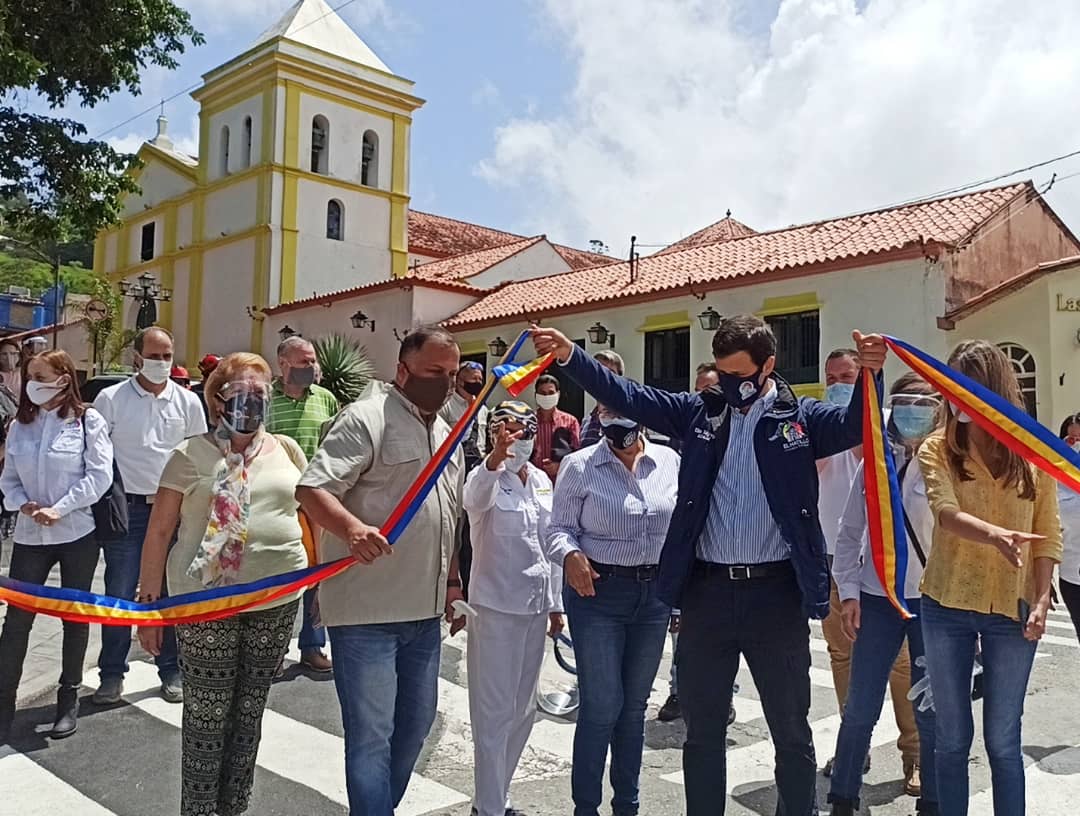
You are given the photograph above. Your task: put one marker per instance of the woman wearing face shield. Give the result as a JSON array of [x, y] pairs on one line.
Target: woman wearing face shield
[[516, 590], [231, 491], [869, 619], [613, 503]]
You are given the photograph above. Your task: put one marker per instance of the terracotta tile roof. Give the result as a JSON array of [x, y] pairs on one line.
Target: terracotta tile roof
[[796, 250], [52, 328], [726, 229], [372, 288], [460, 267], [1006, 288], [442, 237]]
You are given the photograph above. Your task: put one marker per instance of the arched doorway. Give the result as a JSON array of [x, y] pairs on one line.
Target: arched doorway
[[1024, 366]]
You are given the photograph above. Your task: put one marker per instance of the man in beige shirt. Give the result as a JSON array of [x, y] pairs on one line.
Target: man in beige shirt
[[383, 615]]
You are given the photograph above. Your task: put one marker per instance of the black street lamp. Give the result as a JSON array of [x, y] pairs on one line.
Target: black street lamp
[[598, 334], [148, 293], [710, 319], [497, 347], [360, 320]]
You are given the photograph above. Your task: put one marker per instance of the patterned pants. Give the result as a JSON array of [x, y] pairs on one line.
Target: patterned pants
[[228, 667]]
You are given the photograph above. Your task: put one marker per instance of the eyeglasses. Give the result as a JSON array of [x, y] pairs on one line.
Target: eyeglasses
[[927, 400]]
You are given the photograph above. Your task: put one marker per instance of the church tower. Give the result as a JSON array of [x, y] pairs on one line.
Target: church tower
[[300, 186]]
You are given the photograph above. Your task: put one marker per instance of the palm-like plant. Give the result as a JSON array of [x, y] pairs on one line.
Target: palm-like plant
[[346, 367]]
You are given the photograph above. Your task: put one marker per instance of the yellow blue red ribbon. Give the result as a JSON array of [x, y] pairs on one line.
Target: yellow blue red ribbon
[[220, 602], [516, 378]]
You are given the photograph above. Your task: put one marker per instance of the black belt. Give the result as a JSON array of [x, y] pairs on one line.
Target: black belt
[[135, 498], [644, 573], [744, 572]]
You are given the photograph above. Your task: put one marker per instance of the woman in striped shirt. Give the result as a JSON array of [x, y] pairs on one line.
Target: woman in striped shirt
[[612, 506]]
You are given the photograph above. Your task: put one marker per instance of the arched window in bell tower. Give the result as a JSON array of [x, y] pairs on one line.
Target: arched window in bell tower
[[247, 141], [320, 146], [369, 162], [224, 158]]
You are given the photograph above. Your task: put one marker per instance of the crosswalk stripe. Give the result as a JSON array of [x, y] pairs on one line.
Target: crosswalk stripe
[[1057, 640], [34, 791], [320, 764], [1043, 787]]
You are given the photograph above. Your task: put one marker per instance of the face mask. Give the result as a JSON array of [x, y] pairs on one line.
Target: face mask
[[740, 391], [839, 393], [521, 451], [473, 388], [302, 377], [914, 422], [547, 402], [620, 432], [244, 413], [961, 417], [1076, 446], [429, 394], [39, 393], [156, 371]]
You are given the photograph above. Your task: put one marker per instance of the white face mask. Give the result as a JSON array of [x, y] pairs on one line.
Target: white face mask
[[156, 371], [39, 392], [521, 452], [547, 401]]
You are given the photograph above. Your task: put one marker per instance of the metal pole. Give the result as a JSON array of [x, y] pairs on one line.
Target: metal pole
[[56, 302]]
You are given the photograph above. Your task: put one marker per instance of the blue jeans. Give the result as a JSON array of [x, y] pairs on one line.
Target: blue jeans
[[950, 636], [311, 637], [618, 641], [121, 580], [881, 636], [387, 679]]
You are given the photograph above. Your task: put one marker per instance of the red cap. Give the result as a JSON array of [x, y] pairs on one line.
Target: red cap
[[209, 363], [179, 371]]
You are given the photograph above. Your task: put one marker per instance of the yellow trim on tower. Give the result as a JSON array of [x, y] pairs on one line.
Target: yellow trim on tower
[[194, 309], [399, 164], [168, 278], [292, 124], [194, 249], [399, 239], [789, 304], [204, 147], [663, 322], [269, 132], [123, 247], [289, 207]]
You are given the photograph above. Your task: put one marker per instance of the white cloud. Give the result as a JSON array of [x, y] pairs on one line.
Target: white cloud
[[678, 112], [486, 94]]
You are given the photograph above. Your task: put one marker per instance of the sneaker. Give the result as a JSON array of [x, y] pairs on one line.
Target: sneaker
[[670, 710], [109, 692], [314, 660], [912, 780], [172, 690]]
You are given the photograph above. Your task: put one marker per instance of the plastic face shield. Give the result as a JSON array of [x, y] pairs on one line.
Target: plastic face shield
[[245, 405]]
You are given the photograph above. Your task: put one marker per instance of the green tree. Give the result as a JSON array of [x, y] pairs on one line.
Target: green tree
[[59, 186]]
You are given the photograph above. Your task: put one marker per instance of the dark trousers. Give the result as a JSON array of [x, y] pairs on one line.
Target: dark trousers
[[1070, 593], [122, 562], [78, 560], [762, 620]]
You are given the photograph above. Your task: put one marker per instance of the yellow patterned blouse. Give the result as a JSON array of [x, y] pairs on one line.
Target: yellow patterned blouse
[[964, 574]]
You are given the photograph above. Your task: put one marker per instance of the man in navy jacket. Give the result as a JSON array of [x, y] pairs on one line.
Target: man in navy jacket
[[744, 557]]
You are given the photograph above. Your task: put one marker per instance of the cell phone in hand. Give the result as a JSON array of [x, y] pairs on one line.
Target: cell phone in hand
[[1023, 610]]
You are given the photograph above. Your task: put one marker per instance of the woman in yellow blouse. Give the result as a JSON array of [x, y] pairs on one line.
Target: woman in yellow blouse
[[997, 538]]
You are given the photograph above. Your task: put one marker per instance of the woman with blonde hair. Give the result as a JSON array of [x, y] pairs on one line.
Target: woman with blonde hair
[[58, 463], [984, 498], [231, 490]]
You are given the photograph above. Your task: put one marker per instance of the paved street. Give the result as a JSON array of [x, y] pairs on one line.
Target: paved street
[[125, 761]]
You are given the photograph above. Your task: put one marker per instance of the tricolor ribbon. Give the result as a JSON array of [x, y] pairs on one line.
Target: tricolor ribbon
[[1005, 422], [220, 602]]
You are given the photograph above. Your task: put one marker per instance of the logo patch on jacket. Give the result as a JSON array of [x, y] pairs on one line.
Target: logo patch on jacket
[[793, 435]]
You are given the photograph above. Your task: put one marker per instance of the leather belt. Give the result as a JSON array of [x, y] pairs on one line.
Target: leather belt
[[643, 573], [135, 498], [744, 572]]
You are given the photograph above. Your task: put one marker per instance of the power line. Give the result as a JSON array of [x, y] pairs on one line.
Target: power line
[[191, 88]]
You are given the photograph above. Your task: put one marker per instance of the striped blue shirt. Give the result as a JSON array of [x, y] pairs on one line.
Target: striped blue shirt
[[740, 528], [610, 514]]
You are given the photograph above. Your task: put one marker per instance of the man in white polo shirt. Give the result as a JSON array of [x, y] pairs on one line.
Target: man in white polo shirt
[[148, 416]]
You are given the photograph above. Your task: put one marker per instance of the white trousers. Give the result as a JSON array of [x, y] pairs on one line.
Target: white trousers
[[504, 657]]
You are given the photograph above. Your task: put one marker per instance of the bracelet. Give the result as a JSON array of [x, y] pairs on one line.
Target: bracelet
[[453, 583]]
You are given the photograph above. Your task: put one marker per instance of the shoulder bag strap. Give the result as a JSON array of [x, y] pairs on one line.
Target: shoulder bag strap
[[907, 521]]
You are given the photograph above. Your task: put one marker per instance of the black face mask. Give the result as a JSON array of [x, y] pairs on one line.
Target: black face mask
[[429, 394], [473, 388], [621, 436], [244, 413], [302, 377], [741, 391]]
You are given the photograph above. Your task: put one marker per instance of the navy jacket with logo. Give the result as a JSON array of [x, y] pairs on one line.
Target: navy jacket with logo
[[788, 440]]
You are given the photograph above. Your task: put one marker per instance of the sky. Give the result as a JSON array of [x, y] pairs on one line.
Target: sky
[[599, 119]]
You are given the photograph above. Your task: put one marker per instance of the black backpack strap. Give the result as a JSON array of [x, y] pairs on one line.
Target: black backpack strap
[[912, 537]]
